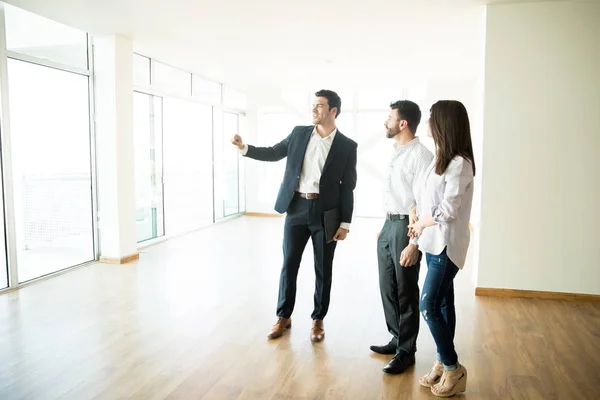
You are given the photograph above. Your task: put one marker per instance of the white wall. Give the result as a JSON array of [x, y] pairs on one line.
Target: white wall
[[541, 189]]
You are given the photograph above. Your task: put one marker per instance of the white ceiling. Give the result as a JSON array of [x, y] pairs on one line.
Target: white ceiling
[[261, 42]]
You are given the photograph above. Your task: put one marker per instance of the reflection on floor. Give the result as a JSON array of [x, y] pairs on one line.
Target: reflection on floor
[[189, 321]]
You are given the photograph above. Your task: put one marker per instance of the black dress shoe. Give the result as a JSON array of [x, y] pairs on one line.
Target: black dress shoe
[[389, 348], [400, 363]]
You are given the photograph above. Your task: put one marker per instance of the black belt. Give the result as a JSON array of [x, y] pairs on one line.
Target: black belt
[[308, 196], [395, 217]]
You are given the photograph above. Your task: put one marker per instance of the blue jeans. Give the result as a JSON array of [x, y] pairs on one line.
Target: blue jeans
[[437, 306]]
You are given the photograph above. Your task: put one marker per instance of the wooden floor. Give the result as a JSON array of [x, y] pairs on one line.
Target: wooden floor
[[189, 321]]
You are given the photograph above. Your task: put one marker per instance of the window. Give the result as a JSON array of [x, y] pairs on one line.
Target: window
[[274, 127], [204, 176], [50, 131], [188, 165], [231, 195], [242, 166], [226, 159], [374, 151], [32, 35], [218, 164], [147, 124]]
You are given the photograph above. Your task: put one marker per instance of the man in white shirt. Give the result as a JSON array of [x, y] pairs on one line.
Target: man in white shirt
[[320, 176], [398, 255]]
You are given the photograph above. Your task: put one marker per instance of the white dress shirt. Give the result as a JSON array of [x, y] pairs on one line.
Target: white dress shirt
[[448, 199], [408, 163], [314, 160]]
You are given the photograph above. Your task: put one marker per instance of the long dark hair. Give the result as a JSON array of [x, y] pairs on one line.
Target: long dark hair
[[451, 131]]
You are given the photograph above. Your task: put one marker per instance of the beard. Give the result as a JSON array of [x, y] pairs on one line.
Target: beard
[[390, 133]]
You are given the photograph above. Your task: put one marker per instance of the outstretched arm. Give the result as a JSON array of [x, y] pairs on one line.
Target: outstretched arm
[[274, 153]]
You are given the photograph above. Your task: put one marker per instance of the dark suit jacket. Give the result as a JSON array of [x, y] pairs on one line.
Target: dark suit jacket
[[338, 178]]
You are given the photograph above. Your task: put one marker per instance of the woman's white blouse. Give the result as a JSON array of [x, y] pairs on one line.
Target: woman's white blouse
[[448, 199]]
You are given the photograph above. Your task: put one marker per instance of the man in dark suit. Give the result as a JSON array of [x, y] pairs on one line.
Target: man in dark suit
[[320, 175]]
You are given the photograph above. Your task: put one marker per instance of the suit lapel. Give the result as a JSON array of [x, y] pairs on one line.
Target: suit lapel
[[307, 135], [334, 151]]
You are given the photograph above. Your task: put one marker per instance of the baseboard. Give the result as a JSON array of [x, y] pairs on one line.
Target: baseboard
[[535, 294], [122, 260], [265, 215]]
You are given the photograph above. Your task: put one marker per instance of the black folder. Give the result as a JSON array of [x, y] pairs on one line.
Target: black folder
[[332, 220]]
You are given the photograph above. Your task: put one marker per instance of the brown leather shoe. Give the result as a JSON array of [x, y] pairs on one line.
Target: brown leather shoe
[[280, 326], [317, 333]]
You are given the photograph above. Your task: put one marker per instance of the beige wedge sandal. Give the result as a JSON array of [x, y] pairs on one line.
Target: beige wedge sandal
[[433, 376], [451, 383]]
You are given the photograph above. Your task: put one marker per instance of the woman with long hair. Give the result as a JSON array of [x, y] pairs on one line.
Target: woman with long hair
[[443, 229]]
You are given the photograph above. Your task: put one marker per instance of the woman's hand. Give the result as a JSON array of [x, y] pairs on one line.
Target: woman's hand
[[416, 229]]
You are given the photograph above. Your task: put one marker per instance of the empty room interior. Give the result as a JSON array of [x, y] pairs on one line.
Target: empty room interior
[[176, 176]]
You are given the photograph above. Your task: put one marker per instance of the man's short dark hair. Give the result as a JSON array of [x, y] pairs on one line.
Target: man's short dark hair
[[408, 111], [333, 100]]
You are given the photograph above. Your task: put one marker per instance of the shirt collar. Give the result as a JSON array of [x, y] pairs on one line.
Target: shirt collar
[[330, 137], [413, 142]]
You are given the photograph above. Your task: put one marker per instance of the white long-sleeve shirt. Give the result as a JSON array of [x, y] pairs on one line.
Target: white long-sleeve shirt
[[409, 163], [447, 198]]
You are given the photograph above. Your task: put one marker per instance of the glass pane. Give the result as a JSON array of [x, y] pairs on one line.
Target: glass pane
[[148, 166], [226, 165], [205, 90], [36, 36], [3, 258], [157, 157], [172, 80], [3, 262], [219, 172], [188, 165], [231, 194], [275, 127], [242, 166], [52, 181], [234, 98], [374, 150], [141, 70]]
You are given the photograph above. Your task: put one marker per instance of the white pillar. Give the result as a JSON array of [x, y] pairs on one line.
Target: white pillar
[[113, 56]]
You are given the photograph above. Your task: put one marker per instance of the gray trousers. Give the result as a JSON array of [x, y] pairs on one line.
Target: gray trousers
[[399, 286]]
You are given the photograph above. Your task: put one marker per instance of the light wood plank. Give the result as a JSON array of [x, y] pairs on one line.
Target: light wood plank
[[536, 294], [189, 321]]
